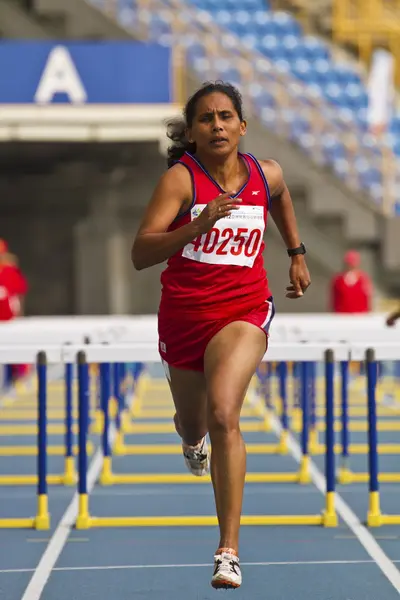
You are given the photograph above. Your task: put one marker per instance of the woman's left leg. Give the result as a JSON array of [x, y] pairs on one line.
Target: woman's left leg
[[230, 361]]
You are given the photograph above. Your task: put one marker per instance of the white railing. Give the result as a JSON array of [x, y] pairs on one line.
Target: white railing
[[134, 339]]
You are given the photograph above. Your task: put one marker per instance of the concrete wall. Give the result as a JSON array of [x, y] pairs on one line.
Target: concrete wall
[[81, 20], [16, 23]]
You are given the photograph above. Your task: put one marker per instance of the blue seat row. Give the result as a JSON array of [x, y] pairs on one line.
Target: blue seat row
[[278, 37]]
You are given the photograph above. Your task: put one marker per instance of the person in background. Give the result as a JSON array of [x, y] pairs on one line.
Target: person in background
[[351, 290], [13, 287]]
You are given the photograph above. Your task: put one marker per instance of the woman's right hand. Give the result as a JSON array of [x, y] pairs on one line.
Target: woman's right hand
[[217, 209]]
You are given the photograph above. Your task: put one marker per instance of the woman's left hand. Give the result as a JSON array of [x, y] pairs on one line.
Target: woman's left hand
[[299, 278]]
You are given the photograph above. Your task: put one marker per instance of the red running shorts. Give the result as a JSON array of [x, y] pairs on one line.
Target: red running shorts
[[182, 344]]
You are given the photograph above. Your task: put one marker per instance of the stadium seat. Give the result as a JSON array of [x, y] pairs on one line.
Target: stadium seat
[[278, 36]]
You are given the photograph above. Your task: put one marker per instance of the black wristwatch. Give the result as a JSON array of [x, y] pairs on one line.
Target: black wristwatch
[[295, 251]]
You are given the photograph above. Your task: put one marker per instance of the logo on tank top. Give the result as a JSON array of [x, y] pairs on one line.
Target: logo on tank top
[[234, 240]]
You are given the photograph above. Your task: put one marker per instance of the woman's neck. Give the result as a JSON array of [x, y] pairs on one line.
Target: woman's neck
[[226, 172]]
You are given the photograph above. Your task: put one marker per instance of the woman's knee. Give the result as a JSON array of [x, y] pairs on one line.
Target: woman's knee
[[191, 427], [223, 417]]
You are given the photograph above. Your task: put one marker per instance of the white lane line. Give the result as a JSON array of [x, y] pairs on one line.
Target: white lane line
[[365, 538], [300, 563], [60, 536]]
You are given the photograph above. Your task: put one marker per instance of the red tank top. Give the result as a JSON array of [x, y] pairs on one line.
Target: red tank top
[[221, 273]]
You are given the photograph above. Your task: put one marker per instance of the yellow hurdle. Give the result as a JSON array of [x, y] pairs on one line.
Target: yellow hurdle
[[168, 413], [198, 521], [33, 450], [187, 478], [176, 449], [247, 426]]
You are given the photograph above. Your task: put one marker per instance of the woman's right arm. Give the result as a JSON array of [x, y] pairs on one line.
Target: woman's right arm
[[153, 243]]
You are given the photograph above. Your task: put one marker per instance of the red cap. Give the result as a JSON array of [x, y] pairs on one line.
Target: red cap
[[3, 247], [352, 259]]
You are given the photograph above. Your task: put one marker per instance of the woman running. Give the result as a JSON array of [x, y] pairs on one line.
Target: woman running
[[207, 218]]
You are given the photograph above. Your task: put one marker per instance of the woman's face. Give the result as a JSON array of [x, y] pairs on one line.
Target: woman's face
[[216, 127]]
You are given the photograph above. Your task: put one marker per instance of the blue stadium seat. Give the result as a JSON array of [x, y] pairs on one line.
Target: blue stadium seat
[[314, 49], [285, 24], [341, 167], [159, 26], [299, 127], [194, 49], [396, 147], [333, 149], [261, 97], [394, 126], [279, 37], [370, 177], [223, 18]]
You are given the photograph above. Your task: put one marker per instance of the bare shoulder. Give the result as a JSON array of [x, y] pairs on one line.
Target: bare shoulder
[[172, 195], [176, 178], [273, 174]]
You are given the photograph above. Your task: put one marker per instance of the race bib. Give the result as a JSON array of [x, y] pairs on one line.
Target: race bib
[[234, 240]]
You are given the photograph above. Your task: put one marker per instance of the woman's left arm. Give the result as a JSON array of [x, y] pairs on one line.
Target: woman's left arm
[[282, 212]]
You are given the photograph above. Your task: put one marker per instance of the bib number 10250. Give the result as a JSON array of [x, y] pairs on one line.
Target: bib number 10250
[[226, 241], [234, 240]]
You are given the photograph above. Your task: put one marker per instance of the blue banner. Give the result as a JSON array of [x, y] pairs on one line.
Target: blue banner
[[85, 73]]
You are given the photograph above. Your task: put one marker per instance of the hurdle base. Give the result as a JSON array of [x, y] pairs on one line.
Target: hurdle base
[[106, 475], [70, 476], [313, 441], [109, 478], [98, 422], [390, 519], [330, 519], [374, 516], [304, 475], [345, 476], [153, 428], [84, 522], [33, 450], [119, 444], [126, 421], [42, 522], [200, 521], [30, 480], [374, 519], [17, 523], [282, 447], [42, 519], [176, 449], [352, 477]]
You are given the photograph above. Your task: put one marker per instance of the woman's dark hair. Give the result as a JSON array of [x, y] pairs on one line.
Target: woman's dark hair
[[176, 128]]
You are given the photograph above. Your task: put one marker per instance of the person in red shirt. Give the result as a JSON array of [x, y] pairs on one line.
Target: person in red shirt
[[351, 290], [13, 284]]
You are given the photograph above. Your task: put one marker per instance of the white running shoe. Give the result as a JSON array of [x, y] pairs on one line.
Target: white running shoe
[[227, 574], [197, 458]]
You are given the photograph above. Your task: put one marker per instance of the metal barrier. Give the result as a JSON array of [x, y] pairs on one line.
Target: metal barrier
[[286, 365]]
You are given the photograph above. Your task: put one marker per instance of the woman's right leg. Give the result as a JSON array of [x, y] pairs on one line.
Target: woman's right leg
[[189, 395]]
